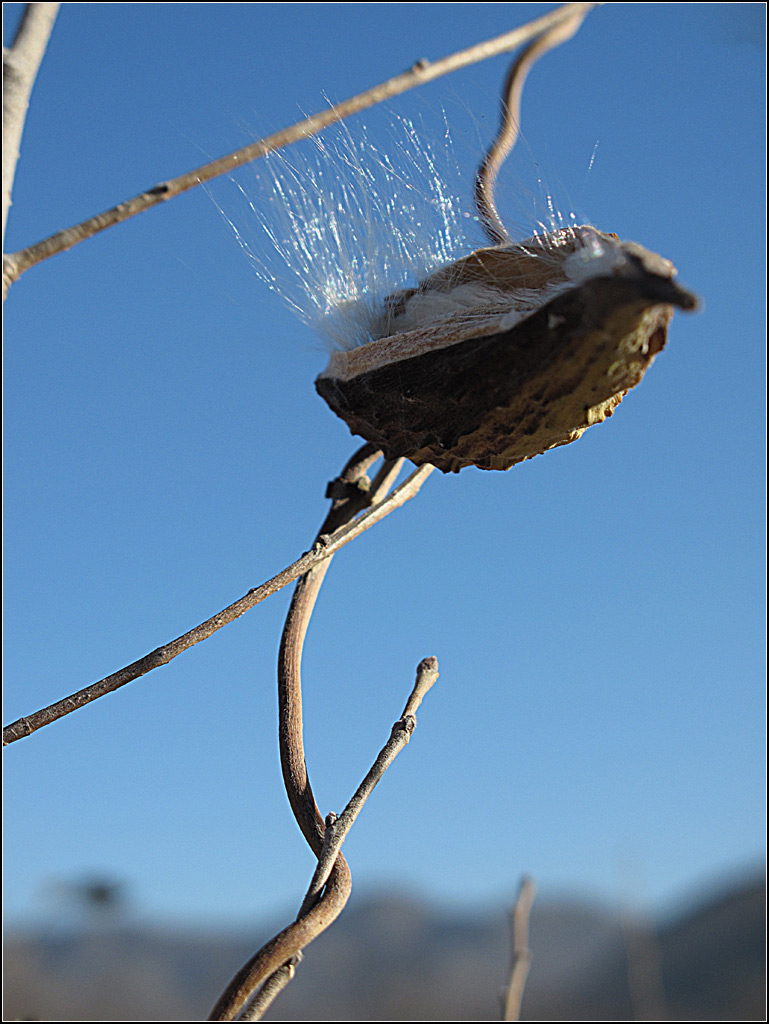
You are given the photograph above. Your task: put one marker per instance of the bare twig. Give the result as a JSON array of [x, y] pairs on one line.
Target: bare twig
[[256, 984], [519, 923], [348, 498], [420, 73], [337, 828], [275, 955], [326, 546], [20, 66], [511, 116], [266, 981], [349, 494], [270, 990]]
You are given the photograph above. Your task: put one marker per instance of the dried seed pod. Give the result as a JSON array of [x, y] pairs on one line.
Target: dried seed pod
[[509, 352]]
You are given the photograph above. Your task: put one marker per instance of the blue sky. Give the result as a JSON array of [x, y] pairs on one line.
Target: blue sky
[[598, 613]]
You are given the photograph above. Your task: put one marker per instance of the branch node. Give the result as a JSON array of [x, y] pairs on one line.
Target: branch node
[[407, 724]]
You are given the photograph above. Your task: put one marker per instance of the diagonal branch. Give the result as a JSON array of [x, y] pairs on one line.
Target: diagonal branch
[[420, 73], [260, 980], [271, 989], [276, 955], [326, 546], [267, 973], [338, 827], [335, 832], [20, 66]]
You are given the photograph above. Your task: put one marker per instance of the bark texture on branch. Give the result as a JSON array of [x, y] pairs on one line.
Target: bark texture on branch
[[20, 66]]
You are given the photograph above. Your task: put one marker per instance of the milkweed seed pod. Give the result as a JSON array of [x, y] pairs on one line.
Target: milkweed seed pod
[[508, 352]]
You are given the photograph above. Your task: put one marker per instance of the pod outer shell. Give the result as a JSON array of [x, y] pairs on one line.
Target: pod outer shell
[[499, 399]]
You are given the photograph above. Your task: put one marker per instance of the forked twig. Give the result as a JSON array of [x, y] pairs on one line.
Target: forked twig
[[420, 73], [509, 128], [336, 831], [326, 546], [521, 960], [338, 827], [270, 969]]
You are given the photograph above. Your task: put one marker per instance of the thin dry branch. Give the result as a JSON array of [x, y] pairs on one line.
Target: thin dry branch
[[275, 956], [257, 983], [270, 990], [420, 73], [510, 122], [349, 493], [267, 981], [338, 827], [519, 926], [21, 62], [326, 546]]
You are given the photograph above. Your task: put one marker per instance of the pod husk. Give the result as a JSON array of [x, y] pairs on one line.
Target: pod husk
[[465, 393]]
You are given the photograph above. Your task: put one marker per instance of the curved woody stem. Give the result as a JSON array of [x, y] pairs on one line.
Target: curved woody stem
[[509, 127], [271, 968]]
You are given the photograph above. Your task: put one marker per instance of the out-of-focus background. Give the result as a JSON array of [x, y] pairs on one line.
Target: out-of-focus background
[[598, 613], [392, 956]]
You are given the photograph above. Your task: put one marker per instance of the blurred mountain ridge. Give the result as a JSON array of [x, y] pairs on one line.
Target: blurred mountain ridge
[[392, 957]]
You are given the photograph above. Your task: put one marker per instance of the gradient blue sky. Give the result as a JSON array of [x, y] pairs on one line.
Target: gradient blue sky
[[598, 613]]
